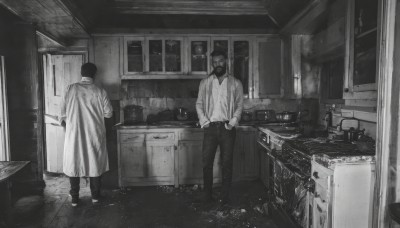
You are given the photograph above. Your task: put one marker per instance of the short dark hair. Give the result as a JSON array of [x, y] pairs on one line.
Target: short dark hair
[[218, 53], [88, 70]]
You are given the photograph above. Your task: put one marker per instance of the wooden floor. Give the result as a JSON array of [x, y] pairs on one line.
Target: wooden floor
[[162, 206]]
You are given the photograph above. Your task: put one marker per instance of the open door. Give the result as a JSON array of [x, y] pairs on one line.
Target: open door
[[4, 129], [60, 71]]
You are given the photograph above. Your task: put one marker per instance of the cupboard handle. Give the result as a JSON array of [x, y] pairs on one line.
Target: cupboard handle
[[315, 174], [132, 138], [160, 137]]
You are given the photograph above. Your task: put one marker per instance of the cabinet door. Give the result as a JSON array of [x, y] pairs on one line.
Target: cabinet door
[[133, 160], [263, 166], [164, 55], [160, 162], [134, 50], [190, 162], [268, 68], [246, 159], [241, 50], [222, 44], [361, 51], [199, 52]]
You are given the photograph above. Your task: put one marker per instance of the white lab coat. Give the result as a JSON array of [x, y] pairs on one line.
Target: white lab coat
[[83, 108]]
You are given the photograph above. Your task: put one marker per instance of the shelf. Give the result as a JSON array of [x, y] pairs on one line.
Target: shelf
[[162, 76], [366, 33]]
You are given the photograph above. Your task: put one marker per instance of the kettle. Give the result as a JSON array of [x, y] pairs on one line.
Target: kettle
[[352, 134]]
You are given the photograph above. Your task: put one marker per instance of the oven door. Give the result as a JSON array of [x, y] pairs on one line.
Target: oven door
[[267, 166], [291, 192]]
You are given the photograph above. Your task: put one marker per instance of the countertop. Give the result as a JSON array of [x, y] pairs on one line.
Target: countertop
[[187, 124]]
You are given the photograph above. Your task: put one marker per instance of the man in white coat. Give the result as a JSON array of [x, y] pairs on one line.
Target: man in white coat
[[83, 109]]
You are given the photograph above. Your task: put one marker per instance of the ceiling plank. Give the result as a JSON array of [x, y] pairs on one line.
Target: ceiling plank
[[222, 7], [50, 16], [307, 20]]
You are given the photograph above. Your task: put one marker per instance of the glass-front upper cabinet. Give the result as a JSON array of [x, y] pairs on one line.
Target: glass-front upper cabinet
[[363, 39], [199, 52], [242, 62], [153, 55], [222, 44], [164, 55], [134, 55]]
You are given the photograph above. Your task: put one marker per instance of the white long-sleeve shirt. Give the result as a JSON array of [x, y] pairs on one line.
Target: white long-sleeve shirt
[[205, 104], [219, 96]]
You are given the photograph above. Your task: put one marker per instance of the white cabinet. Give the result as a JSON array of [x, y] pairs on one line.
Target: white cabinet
[[343, 195], [175, 156], [146, 158]]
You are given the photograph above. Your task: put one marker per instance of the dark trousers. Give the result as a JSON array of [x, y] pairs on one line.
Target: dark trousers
[[95, 185], [214, 136]]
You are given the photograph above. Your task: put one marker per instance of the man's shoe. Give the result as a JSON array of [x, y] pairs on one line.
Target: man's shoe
[[95, 200], [74, 201]]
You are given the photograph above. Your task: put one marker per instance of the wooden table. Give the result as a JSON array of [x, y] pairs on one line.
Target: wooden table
[[7, 170]]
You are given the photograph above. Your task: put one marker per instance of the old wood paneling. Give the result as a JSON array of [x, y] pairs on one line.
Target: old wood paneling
[[106, 53], [23, 99]]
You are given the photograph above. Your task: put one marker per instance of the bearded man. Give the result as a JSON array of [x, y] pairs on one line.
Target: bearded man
[[219, 106]]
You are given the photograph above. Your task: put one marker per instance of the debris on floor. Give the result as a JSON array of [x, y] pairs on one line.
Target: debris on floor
[[154, 206]]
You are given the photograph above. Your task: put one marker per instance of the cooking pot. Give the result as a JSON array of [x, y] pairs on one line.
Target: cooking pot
[[181, 114], [247, 116], [352, 134], [265, 115], [133, 114], [286, 117]]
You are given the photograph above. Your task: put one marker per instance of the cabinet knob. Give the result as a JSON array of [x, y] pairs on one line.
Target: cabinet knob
[[315, 174]]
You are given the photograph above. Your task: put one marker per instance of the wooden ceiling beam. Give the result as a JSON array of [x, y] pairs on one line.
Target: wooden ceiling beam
[[196, 7]]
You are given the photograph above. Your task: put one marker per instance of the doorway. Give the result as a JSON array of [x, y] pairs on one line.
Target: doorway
[[59, 72]]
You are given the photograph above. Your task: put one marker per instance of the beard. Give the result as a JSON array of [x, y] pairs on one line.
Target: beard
[[219, 71]]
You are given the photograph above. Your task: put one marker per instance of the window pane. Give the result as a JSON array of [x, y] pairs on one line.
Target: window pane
[[365, 59], [172, 55], [155, 56], [332, 74], [199, 55], [135, 56], [241, 63], [269, 67], [221, 45]]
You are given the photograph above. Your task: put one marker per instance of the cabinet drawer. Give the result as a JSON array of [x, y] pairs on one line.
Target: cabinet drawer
[[132, 138], [165, 136], [191, 135]]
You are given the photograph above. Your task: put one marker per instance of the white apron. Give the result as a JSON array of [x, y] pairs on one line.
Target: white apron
[[84, 107]]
